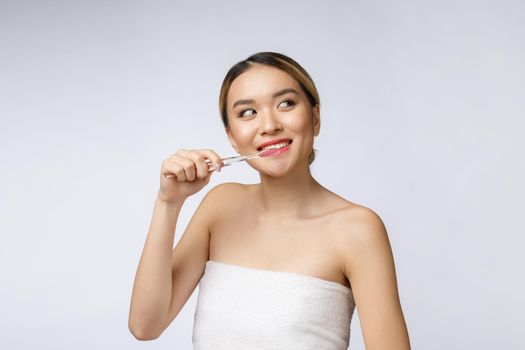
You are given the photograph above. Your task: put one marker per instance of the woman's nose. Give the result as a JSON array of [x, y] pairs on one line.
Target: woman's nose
[[269, 123]]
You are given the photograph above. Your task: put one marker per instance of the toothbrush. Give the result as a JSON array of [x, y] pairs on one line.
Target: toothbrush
[[231, 160]]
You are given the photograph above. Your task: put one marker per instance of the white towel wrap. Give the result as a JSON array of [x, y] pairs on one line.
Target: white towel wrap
[[245, 308]]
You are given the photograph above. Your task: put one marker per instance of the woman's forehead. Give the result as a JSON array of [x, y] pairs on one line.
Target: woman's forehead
[[260, 82]]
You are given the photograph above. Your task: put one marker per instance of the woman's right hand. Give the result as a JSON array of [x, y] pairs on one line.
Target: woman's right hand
[[185, 173]]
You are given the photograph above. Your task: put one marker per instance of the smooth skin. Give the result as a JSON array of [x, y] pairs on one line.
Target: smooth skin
[[287, 222]]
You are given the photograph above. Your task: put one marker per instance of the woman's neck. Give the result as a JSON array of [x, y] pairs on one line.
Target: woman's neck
[[291, 196]]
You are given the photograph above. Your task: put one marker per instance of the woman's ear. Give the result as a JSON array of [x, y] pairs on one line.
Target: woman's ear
[[316, 119], [231, 139]]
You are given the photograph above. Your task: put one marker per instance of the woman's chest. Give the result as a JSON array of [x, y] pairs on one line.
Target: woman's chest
[[306, 247]]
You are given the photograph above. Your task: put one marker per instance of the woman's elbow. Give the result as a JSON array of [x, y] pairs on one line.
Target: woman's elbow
[[141, 333]]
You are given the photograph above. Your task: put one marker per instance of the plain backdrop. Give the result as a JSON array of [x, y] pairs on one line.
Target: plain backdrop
[[422, 113]]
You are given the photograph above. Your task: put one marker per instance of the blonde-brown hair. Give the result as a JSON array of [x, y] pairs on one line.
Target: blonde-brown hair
[[276, 60]]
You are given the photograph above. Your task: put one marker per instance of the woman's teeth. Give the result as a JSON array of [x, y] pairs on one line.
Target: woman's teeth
[[277, 145]]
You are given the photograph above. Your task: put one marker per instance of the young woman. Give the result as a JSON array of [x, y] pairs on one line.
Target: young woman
[[281, 264]]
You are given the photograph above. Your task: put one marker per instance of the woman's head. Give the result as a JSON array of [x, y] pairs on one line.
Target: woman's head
[[250, 83]]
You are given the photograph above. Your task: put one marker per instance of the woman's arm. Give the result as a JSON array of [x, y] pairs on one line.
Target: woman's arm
[[152, 287], [369, 265], [167, 277]]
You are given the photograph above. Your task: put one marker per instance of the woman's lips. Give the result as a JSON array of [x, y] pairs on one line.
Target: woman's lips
[[284, 140], [272, 152]]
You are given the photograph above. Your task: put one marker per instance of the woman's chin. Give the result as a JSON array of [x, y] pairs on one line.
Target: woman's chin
[[275, 169], [274, 166]]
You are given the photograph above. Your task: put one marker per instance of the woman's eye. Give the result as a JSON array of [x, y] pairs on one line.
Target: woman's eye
[[289, 102], [243, 113]]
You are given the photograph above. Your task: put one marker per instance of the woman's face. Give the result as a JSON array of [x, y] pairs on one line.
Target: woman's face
[[266, 104]]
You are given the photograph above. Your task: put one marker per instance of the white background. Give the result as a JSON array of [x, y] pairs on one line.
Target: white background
[[422, 121]]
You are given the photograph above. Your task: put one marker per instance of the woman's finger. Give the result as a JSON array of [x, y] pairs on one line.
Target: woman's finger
[[213, 157], [171, 169], [201, 167], [187, 165]]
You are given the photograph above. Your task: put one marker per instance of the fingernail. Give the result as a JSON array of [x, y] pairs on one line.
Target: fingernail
[[217, 167]]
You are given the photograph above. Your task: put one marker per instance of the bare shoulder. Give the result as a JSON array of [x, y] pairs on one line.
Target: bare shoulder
[[368, 261], [220, 197], [224, 189], [360, 232], [362, 223], [220, 193]]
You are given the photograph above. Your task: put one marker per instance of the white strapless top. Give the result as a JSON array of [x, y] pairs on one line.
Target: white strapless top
[[245, 308]]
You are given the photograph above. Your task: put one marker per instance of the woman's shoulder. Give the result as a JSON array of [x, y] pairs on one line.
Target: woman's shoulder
[[227, 189], [224, 200], [353, 220], [342, 208], [349, 211], [360, 226], [353, 214], [226, 193]]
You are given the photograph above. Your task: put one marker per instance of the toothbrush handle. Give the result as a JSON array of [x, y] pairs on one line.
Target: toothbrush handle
[[230, 160], [226, 162], [211, 167]]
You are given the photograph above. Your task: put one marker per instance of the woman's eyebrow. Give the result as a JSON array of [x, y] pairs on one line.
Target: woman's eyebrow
[[284, 91], [277, 94]]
